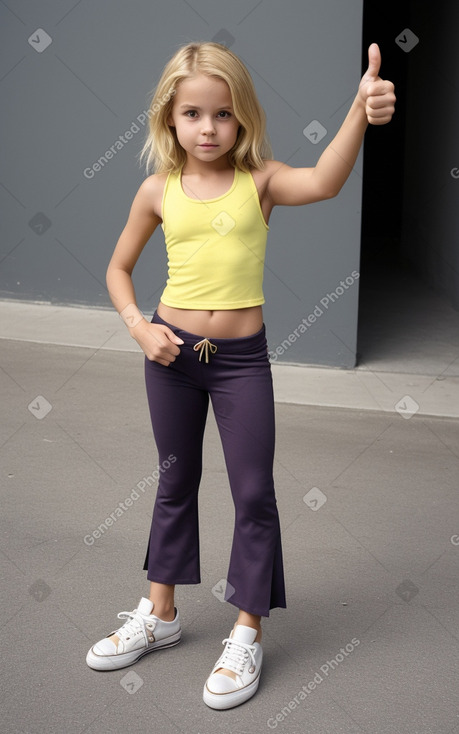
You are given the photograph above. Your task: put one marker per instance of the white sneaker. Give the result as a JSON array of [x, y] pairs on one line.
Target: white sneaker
[[141, 634], [244, 657]]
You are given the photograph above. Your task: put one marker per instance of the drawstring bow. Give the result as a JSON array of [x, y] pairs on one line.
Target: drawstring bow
[[205, 346]]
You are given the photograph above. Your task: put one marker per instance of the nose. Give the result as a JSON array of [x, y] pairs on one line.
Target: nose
[[207, 126]]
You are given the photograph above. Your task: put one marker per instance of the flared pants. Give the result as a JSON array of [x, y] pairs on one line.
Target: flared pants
[[236, 375]]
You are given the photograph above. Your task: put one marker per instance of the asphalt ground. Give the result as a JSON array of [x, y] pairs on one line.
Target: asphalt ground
[[369, 513]]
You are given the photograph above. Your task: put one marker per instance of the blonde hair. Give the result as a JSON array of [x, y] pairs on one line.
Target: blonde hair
[[162, 150]]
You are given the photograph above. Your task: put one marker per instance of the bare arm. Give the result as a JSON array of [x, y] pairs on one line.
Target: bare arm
[[141, 224], [158, 342], [374, 104]]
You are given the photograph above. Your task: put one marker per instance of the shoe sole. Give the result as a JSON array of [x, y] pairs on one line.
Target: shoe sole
[[116, 662], [221, 701]]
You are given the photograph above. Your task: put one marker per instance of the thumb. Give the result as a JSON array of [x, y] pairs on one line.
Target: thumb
[[173, 337], [374, 60]]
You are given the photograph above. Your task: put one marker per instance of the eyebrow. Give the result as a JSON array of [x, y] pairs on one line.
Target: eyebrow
[[195, 107]]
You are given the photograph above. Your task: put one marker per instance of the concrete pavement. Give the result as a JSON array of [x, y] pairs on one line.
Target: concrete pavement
[[368, 506], [421, 376]]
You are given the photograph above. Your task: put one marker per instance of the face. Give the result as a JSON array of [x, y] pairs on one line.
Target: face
[[203, 117]]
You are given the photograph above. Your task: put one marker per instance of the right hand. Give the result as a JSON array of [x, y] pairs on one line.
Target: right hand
[[376, 94], [158, 342]]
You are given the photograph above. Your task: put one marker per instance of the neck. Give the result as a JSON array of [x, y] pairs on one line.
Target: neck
[[195, 167]]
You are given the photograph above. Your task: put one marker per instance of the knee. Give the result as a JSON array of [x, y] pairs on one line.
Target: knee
[[256, 501], [180, 479]]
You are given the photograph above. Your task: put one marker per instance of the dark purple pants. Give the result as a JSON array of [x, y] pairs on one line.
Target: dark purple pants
[[238, 380]]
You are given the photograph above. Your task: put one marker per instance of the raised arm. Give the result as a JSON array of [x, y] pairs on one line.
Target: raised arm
[[374, 104]]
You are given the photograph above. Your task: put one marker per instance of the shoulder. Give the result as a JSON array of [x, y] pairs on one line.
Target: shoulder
[[151, 191]]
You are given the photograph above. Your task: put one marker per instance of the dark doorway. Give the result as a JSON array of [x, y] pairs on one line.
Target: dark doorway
[[407, 322], [383, 272]]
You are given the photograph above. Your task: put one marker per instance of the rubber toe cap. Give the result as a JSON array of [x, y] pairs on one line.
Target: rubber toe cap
[[219, 683], [104, 647]]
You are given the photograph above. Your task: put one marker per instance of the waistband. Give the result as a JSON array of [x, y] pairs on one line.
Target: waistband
[[240, 345]]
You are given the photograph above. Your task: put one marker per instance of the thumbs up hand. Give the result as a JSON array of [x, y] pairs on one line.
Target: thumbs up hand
[[376, 94]]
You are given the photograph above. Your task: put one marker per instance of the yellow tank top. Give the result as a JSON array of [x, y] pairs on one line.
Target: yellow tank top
[[215, 247]]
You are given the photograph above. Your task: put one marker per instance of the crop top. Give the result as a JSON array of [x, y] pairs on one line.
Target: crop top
[[215, 247]]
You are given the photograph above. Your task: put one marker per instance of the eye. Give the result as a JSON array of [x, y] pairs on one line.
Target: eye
[[191, 112], [226, 113]]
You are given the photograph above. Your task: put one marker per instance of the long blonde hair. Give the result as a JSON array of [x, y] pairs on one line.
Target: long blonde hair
[[162, 150]]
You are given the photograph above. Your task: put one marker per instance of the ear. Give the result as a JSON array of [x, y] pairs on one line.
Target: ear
[[170, 121]]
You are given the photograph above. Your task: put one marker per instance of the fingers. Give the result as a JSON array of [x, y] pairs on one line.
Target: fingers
[[158, 342], [165, 350], [378, 88], [380, 112], [159, 360], [380, 102], [380, 117], [171, 336], [381, 120]]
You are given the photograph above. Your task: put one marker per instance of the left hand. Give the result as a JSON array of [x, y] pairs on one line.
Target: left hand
[[376, 94]]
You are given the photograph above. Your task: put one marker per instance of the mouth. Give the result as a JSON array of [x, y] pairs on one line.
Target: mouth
[[208, 145]]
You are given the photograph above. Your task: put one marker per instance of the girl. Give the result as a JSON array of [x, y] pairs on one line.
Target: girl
[[213, 191]]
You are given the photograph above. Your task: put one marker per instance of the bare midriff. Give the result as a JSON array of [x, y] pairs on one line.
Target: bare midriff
[[231, 324]]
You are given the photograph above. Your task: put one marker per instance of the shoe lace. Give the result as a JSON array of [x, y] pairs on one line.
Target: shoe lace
[[134, 623], [236, 655]]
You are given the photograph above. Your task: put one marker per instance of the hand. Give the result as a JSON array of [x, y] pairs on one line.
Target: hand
[[158, 342], [376, 94]]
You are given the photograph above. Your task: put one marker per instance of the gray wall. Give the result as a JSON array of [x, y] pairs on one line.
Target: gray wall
[[65, 105], [431, 196]]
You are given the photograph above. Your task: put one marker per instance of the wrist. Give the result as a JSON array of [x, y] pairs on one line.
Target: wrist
[[131, 315], [360, 103], [358, 112], [135, 331]]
